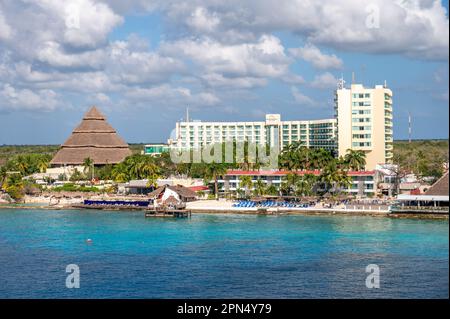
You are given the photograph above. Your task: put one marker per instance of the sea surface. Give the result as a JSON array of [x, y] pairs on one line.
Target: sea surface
[[220, 256]]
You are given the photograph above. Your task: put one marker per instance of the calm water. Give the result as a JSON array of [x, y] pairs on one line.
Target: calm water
[[219, 256]]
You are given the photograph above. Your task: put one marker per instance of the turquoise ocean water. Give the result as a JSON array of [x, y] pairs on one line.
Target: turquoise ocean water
[[220, 256]]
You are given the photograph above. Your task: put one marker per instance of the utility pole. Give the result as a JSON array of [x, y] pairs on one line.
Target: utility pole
[[409, 127]]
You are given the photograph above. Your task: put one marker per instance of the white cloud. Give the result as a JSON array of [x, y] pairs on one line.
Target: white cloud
[[5, 29], [100, 98], [416, 28], [324, 81], [53, 54], [127, 66], [301, 98], [208, 45], [59, 33], [84, 23], [25, 99], [202, 20], [241, 62], [293, 79], [219, 81], [312, 54], [173, 96]]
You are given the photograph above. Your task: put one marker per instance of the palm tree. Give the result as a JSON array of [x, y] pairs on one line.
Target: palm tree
[[119, 173], [329, 176], [304, 185], [246, 182], [344, 180], [152, 172], [212, 172], [272, 190], [14, 180], [311, 181], [88, 167], [22, 164], [288, 185], [356, 159], [3, 174], [260, 188], [43, 164]]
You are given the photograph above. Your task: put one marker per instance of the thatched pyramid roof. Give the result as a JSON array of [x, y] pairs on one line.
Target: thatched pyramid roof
[[93, 138], [440, 187]]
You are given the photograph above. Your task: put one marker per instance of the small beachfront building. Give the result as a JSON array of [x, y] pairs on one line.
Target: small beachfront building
[[435, 199], [93, 138], [166, 194]]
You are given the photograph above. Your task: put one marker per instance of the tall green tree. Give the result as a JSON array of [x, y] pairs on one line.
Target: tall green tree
[[42, 164], [213, 171], [246, 183], [355, 159], [260, 187], [88, 167]]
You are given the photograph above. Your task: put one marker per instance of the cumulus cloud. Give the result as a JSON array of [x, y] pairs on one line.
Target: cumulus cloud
[[415, 28], [247, 64], [324, 81], [25, 99], [202, 20], [127, 66], [301, 98], [63, 48], [293, 79], [5, 29], [313, 55], [264, 58], [53, 26], [172, 96]]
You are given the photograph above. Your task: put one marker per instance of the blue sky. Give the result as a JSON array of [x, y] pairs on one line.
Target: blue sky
[[142, 63]]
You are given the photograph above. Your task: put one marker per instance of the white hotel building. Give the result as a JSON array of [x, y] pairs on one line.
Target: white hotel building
[[273, 131], [363, 121]]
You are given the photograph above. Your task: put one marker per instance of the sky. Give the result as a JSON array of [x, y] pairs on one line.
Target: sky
[[144, 62]]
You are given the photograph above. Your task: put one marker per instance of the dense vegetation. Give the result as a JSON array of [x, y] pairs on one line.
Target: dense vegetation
[[424, 158]]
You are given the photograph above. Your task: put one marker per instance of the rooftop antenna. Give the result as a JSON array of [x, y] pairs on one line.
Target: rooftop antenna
[[385, 84], [187, 114], [353, 77], [341, 83], [409, 127]]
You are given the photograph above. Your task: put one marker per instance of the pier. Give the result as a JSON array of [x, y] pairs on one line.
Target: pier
[[177, 213]]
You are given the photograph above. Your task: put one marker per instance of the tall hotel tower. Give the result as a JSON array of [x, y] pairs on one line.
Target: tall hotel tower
[[364, 122]]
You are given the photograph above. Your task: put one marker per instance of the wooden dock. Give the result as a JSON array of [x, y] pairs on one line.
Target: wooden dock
[[174, 213]]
